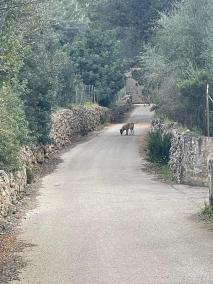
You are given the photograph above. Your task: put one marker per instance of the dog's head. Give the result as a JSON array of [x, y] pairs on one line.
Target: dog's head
[[121, 131]]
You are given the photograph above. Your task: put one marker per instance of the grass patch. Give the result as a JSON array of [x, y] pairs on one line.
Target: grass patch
[[207, 212], [90, 105], [166, 173], [163, 172]]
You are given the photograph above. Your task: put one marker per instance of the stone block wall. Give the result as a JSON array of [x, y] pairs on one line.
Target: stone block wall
[[78, 121], [189, 153], [12, 188], [66, 125]]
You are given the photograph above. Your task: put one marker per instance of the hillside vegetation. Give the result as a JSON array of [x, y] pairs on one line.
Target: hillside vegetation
[[50, 56], [177, 63], [56, 53]]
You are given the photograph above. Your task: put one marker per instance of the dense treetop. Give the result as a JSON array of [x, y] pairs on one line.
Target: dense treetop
[[133, 20]]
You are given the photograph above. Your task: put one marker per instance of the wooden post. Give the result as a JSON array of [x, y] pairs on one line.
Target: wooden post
[[76, 94], [94, 94], [207, 110], [210, 183]]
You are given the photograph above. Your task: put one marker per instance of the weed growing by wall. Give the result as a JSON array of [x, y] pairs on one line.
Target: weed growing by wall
[[158, 147]]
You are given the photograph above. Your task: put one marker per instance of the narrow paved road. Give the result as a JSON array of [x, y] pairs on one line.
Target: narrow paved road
[[101, 219]]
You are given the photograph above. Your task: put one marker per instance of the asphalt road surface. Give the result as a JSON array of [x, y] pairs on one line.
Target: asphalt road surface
[[102, 219]]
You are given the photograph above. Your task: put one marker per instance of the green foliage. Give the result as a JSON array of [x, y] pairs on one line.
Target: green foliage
[[120, 99], [167, 173], [192, 96], [105, 118], [163, 171], [158, 146], [13, 127], [90, 105], [57, 53], [97, 61], [133, 20], [207, 211], [41, 71], [178, 62]]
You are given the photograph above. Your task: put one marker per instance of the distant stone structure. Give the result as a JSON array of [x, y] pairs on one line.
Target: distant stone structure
[[134, 90]]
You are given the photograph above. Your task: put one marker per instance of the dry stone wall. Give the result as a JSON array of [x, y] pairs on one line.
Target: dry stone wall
[[78, 121], [12, 188], [189, 153], [66, 125]]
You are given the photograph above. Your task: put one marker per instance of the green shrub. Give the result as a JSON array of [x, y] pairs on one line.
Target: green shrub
[[104, 118], [159, 147], [207, 211], [13, 128]]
